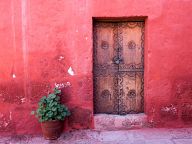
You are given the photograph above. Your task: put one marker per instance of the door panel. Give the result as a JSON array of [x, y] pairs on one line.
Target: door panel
[[104, 69], [118, 67], [132, 98], [131, 45], [131, 66], [104, 43], [105, 92], [128, 96]]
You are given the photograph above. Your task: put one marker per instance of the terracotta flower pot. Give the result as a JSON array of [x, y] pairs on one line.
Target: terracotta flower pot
[[52, 129]]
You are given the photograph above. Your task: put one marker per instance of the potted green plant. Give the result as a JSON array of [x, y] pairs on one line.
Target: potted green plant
[[51, 113]]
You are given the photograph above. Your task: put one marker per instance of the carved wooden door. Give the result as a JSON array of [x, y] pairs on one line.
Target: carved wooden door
[[118, 67]]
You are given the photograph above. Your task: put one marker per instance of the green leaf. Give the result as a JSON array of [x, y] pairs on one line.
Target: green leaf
[[57, 98], [57, 91], [51, 96], [54, 108], [51, 104], [43, 99], [59, 117], [55, 113], [46, 118]]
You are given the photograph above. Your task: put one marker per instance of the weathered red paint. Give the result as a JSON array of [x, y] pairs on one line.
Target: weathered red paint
[[41, 39]]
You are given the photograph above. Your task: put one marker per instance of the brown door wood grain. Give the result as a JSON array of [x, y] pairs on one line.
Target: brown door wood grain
[[118, 67]]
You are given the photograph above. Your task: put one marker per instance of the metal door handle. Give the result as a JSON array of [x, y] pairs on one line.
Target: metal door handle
[[117, 60]]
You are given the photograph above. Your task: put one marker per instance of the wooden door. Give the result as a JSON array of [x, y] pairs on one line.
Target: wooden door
[[118, 67]]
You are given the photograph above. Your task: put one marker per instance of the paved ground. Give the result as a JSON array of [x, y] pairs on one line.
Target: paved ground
[[140, 136]]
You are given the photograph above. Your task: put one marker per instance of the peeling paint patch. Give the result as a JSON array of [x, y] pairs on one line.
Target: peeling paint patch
[[11, 93], [169, 112], [170, 108], [5, 122], [70, 71]]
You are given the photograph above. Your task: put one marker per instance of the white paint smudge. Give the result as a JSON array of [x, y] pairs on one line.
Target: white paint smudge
[[70, 71], [59, 85], [62, 85], [14, 76], [86, 38], [23, 100], [5, 124], [61, 58], [68, 83]]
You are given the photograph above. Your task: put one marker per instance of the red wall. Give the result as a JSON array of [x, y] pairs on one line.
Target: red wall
[[41, 39]]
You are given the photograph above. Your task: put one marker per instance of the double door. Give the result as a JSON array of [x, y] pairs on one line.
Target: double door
[[118, 67]]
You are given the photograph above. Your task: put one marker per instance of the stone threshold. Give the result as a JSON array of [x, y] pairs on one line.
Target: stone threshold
[[120, 122]]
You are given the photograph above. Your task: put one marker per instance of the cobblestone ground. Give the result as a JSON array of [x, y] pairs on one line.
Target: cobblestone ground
[[140, 136]]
